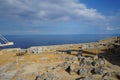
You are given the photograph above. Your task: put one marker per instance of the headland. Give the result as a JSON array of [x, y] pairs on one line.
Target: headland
[[86, 61]]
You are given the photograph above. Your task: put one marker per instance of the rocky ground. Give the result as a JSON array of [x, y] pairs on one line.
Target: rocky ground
[[23, 65]]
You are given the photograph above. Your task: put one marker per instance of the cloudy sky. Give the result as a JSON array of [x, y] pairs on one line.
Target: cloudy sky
[[59, 17]]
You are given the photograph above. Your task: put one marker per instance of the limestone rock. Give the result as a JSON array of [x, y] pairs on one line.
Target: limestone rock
[[83, 71], [95, 57], [48, 76], [86, 78], [83, 62], [98, 70], [89, 63], [71, 69], [95, 63], [79, 57], [64, 65], [111, 74], [102, 61]]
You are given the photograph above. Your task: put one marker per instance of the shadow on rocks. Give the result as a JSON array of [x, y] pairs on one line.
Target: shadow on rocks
[[112, 55]]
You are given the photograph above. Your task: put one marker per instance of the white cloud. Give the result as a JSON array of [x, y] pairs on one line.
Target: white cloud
[[49, 10], [41, 11], [113, 22], [109, 28], [112, 28]]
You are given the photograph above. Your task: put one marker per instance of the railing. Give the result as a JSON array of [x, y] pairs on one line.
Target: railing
[[6, 42]]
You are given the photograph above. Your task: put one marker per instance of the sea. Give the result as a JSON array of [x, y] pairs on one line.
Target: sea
[[26, 41]]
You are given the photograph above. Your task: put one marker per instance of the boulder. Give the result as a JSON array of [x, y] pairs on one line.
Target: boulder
[[95, 57], [21, 53], [95, 63], [83, 62], [89, 63], [102, 61], [79, 57], [64, 65], [98, 70], [71, 69], [75, 63], [83, 71], [34, 50]]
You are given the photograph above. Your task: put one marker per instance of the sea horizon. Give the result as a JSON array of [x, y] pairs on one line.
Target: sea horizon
[[26, 41]]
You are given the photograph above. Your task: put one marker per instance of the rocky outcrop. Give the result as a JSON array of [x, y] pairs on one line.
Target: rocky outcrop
[[21, 52], [98, 70], [108, 75], [86, 78], [65, 66], [83, 71], [48, 76]]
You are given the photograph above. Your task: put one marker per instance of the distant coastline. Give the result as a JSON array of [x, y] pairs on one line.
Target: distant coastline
[[103, 43], [26, 41]]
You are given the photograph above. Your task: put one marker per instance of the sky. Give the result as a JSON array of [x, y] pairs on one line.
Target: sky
[[20, 17]]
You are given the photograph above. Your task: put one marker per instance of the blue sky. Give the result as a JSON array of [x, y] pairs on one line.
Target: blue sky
[[59, 17]]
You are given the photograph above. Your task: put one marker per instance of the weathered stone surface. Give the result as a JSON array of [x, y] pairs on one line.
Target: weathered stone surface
[[79, 57], [95, 57], [64, 65], [95, 63], [7, 71], [7, 76], [83, 71], [107, 75], [34, 50], [71, 69], [102, 61], [21, 52], [76, 63], [2, 69], [83, 62], [82, 78], [48, 76], [89, 63], [71, 58], [98, 70], [86, 78]]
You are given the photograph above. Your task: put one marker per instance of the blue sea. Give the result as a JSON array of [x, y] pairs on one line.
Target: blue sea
[[26, 41]]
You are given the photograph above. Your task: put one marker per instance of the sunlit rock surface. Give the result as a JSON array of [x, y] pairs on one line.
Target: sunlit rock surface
[[89, 61]]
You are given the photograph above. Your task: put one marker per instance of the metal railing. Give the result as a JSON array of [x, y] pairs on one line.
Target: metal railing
[[5, 41]]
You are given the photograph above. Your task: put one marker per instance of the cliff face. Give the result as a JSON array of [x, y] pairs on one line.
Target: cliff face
[[98, 61]]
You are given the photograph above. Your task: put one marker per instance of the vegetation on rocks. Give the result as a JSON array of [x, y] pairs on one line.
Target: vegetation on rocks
[[100, 63]]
